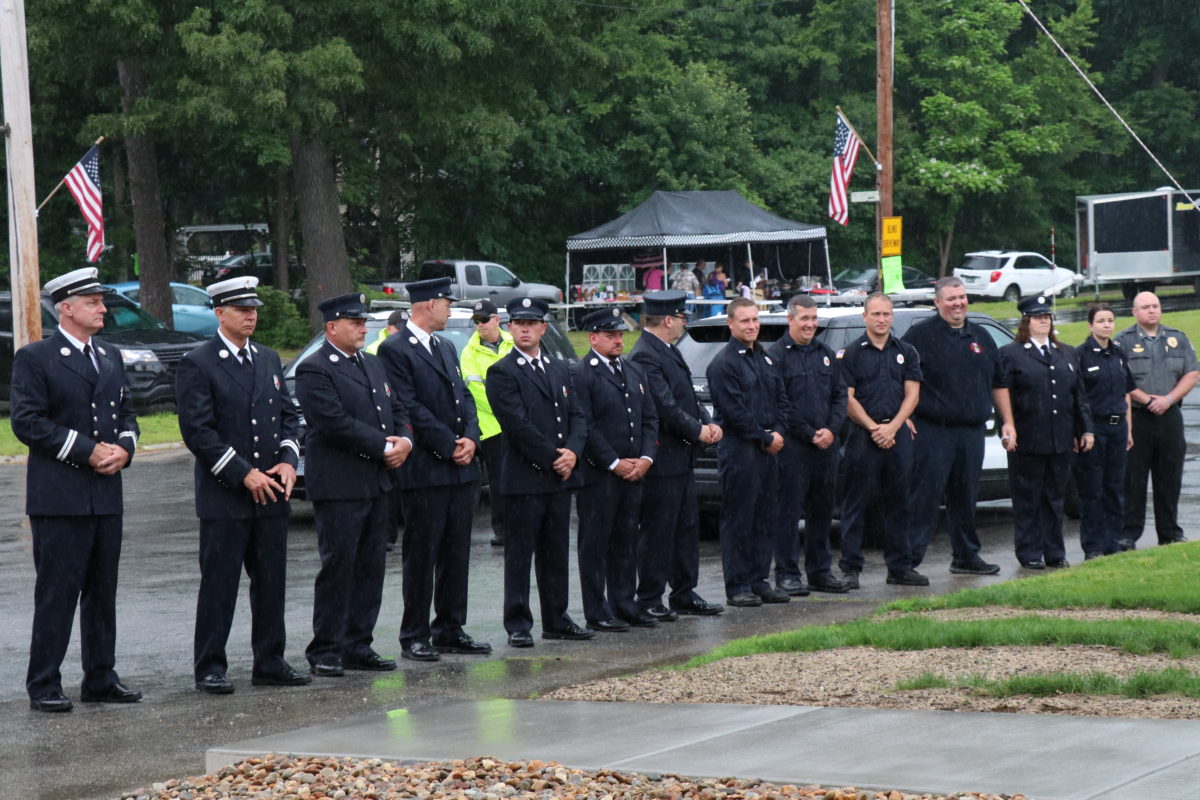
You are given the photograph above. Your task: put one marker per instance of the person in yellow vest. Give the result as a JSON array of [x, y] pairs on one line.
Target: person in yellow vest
[[487, 345], [396, 321]]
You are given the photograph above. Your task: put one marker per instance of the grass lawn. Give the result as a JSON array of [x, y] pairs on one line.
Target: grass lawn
[[579, 340], [156, 429]]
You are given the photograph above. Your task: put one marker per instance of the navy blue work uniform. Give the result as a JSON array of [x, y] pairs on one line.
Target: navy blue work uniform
[[877, 376], [236, 415], [62, 404], [621, 423], [350, 409], [438, 495], [808, 474], [535, 405], [750, 404], [959, 367], [1100, 472], [1050, 411], [669, 545], [1157, 363]]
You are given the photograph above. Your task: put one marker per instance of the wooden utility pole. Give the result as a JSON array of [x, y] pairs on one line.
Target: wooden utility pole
[[22, 197], [883, 101]]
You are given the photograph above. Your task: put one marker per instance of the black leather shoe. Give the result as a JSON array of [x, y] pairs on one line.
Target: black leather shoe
[[850, 578], [1060, 563], [1126, 544], [745, 600], [520, 639], [464, 645], [1175, 540], [117, 693], [907, 577], [214, 683], [772, 595], [284, 677], [662, 613], [699, 608], [1090, 556], [327, 669], [370, 662], [418, 651], [827, 583], [977, 567], [792, 587], [51, 703], [571, 632], [642, 620], [497, 541], [610, 625], [1033, 564]]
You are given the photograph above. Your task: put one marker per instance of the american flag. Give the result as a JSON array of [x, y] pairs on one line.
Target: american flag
[[84, 182], [845, 152]]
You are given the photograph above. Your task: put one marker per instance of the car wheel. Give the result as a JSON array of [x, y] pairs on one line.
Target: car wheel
[[1070, 291], [1013, 293]]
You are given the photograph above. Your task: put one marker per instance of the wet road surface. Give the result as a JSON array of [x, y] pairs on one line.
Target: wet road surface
[[99, 750]]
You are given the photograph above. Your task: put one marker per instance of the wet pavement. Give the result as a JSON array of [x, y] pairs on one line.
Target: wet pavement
[[98, 751]]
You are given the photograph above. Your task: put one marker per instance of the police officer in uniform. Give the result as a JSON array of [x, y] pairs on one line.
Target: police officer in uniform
[[621, 443], [809, 459], [358, 432], [70, 405], [752, 408], [544, 435], [961, 381], [669, 539], [1052, 419], [238, 419], [438, 479], [883, 385], [1164, 365]]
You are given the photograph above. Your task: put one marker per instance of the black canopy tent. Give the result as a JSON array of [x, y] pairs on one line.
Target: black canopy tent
[[704, 220]]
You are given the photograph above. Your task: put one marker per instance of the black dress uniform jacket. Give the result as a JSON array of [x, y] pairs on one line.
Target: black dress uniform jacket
[[234, 420], [680, 414], [1050, 408], [61, 408], [350, 412], [622, 422]]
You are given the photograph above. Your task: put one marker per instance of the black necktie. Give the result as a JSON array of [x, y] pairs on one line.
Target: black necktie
[[357, 360], [244, 355], [540, 373], [87, 351], [616, 368]]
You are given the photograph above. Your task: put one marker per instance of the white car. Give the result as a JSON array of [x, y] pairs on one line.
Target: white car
[[1013, 274]]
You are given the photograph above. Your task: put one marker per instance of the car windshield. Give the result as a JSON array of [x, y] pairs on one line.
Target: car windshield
[[983, 262], [701, 343], [855, 275], [125, 316]]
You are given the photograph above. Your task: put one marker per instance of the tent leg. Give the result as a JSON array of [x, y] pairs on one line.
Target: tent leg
[[567, 293], [828, 271]]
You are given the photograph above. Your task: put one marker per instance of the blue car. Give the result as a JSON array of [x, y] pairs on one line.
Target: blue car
[[193, 311]]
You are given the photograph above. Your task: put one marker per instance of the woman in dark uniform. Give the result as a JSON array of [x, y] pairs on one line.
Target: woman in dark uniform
[[1052, 419], [1100, 472]]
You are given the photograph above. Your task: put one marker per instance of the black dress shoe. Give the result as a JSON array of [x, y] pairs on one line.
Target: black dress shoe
[[699, 608], [792, 587], [463, 645], [907, 577], [773, 595], [284, 677], [418, 651], [850, 578], [744, 600], [610, 625], [1033, 564], [1090, 556], [117, 693], [1060, 563], [370, 662], [1173, 540], [520, 639], [662, 613], [1126, 544], [571, 632], [327, 669], [642, 620], [214, 683], [827, 583], [51, 703], [977, 567]]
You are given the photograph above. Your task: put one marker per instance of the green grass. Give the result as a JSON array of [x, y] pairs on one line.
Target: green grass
[[156, 429], [1171, 680], [579, 340]]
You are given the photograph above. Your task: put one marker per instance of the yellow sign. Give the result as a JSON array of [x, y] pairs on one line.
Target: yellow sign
[[890, 240]]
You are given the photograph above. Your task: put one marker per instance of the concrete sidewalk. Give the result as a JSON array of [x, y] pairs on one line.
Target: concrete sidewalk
[[1042, 757]]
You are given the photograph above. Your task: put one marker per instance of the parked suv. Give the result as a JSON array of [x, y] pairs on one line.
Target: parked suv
[[1011, 275], [149, 351]]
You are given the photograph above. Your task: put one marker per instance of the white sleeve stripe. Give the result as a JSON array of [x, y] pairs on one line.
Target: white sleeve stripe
[[291, 444], [72, 435], [225, 459], [475, 378], [131, 435]]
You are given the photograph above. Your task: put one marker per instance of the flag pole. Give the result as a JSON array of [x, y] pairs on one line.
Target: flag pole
[[842, 114], [54, 191]]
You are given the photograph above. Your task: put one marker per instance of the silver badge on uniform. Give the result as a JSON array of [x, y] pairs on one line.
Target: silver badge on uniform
[[333, 358], [564, 391], [900, 358], [520, 362], [275, 379], [768, 360], [66, 351], [827, 361], [223, 354], [102, 350], [594, 361], [526, 302], [412, 340], [387, 389]]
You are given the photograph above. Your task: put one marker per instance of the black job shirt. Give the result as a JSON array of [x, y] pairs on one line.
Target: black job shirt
[[1106, 376], [877, 375], [960, 367]]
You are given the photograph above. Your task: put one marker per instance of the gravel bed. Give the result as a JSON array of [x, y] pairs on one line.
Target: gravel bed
[[483, 778]]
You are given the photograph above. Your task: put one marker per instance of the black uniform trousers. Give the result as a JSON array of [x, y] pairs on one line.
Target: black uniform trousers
[[352, 542], [808, 491], [669, 541], [872, 471], [1158, 452], [538, 532], [1039, 484], [609, 508], [260, 544], [76, 563], [437, 556], [493, 459], [1100, 477], [947, 461], [749, 483]]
